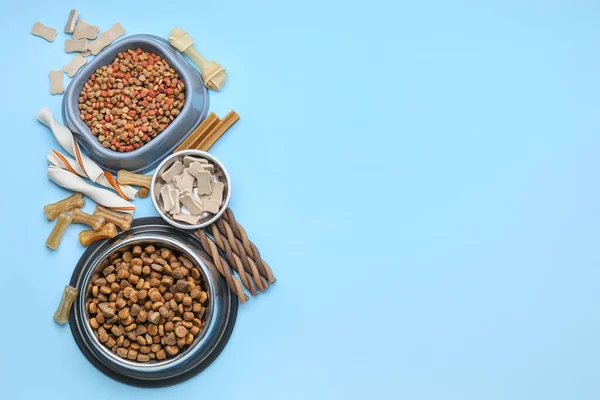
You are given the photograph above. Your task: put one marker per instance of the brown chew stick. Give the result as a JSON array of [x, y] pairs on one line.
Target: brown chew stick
[[218, 131], [199, 133]]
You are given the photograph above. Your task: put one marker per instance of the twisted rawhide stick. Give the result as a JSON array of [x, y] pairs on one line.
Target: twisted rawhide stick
[[242, 263], [238, 239], [235, 262], [221, 264]]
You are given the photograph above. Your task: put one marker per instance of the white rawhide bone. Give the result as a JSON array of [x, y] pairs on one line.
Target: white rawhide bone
[[70, 181], [106, 38], [85, 166], [74, 65]]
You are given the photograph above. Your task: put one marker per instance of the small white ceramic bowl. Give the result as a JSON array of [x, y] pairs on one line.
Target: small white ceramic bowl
[[220, 174]]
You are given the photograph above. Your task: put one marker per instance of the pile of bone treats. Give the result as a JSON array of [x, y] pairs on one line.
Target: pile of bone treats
[[87, 40]]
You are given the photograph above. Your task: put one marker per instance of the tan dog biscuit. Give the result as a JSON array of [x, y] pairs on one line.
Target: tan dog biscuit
[[56, 82], [106, 38], [174, 170], [76, 45], [212, 202], [203, 177], [74, 65], [85, 32], [190, 219], [44, 31], [70, 25], [191, 202], [186, 182], [187, 160]]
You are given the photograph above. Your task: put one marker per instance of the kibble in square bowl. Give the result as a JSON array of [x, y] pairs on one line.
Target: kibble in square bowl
[[144, 63], [147, 303]]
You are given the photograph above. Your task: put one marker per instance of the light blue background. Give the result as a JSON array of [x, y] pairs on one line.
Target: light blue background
[[421, 175]]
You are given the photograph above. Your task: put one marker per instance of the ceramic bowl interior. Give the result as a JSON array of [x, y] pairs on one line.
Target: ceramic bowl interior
[[220, 175]]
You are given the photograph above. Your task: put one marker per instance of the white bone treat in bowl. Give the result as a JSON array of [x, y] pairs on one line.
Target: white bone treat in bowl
[[190, 189], [147, 156]]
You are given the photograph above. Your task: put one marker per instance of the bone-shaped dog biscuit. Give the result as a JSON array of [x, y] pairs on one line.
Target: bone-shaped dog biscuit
[[74, 65], [175, 194], [203, 177], [175, 169], [84, 24], [185, 182], [212, 202], [205, 166], [190, 219], [166, 198], [56, 82], [44, 31], [70, 25], [78, 45], [106, 38], [85, 31], [191, 202], [187, 160]]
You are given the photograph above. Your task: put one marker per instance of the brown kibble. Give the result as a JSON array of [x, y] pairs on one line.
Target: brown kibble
[[196, 307], [116, 331], [145, 349], [203, 297], [169, 326], [195, 330], [187, 301], [102, 334], [152, 329], [181, 331], [180, 342], [122, 352], [120, 303], [171, 339], [135, 346], [154, 317], [188, 316], [135, 309], [196, 273], [124, 313], [111, 342], [142, 316], [143, 358], [141, 340], [189, 339], [94, 323], [137, 251], [172, 350], [106, 309], [100, 318], [183, 286], [161, 354], [132, 355], [155, 295]]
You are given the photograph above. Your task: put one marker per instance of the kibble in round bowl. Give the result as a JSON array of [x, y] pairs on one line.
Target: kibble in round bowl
[[142, 328]]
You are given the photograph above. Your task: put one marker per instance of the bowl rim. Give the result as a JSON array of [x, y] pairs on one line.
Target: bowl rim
[[197, 153], [165, 50]]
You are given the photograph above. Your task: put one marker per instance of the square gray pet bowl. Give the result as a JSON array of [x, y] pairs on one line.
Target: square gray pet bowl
[[153, 152]]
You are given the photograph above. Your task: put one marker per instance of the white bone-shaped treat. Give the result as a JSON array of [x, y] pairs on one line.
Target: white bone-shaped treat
[[191, 202], [56, 82], [174, 194], [212, 202], [187, 160], [89, 168], [190, 219], [85, 31], [70, 181], [74, 65], [203, 177], [78, 45], [44, 31], [185, 182], [106, 38], [70, 25], [174, 170], [165, 195]]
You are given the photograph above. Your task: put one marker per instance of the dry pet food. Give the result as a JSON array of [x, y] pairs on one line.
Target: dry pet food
[[108, 231], [74, 65], [55, 209], [189, 188], [44, 31], [131, 101], [56, 82], [66, 302], [213, 74], [76, 45], [61, 225], [71, 21], [147, 304], [106, 38]]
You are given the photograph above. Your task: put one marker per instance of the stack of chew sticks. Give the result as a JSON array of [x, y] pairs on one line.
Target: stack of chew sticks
[[208, 132]]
